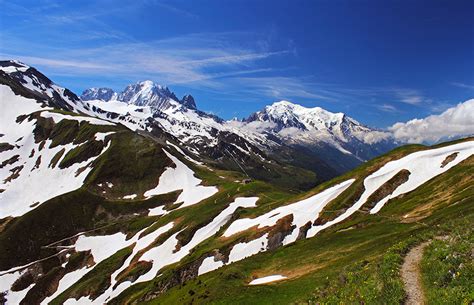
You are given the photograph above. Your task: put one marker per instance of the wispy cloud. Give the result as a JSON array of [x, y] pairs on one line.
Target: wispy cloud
[[462, 85], [280, 87], [409, 96], [387, 108], [183, 59], [238, 65]]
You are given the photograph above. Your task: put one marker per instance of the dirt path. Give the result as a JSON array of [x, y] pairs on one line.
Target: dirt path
[[411, 275]]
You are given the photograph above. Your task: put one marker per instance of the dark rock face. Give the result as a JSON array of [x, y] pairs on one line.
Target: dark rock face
[[388, 187], [188, 101], [278, 233]]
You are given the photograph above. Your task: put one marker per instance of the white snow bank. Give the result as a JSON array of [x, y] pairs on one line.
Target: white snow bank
[[102, 247], [158, 211], [100, 136], [302, 211], [141, 243], [57, 117], [164, 254], [244, 250], [267, 279], [182, 178], [6, 281], [209, 264], [132, 196], [12, 106]]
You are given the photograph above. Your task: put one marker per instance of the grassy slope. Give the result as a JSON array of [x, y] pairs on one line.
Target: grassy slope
[[448, 266], [308, 262], [312, 266]]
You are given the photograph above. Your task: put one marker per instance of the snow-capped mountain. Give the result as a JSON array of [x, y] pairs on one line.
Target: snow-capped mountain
[[144, 93], [322, 142], [289, 120], [105, 94], [207, 137], [323, 133], [334, 138]]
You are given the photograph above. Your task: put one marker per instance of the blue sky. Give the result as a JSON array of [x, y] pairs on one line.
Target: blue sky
[[378, 61]]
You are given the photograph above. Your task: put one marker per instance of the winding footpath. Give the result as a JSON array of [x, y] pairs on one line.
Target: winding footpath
[[411, 275]]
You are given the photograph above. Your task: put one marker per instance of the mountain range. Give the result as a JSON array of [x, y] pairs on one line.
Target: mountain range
[[329, 143], [138, 197]]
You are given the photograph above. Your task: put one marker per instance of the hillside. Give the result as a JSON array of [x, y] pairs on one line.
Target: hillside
[[94, 211]]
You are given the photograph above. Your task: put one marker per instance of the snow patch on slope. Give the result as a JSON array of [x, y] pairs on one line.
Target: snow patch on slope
[[423, 166], [302, 211], [181, 178], [57, 117], [267, 279]]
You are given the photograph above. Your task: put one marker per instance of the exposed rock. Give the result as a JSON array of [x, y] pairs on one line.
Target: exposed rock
[[448, 159], [387, 188]]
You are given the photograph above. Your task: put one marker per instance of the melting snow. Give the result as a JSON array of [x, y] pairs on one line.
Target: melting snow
[[6, 281], [267, 279], [209, 264], [100, 136], [181, 178], [244, 250], [57, 117], [184, 155], [423, 165], [158, 211], [165, 251], [47, 182], [302, 211]]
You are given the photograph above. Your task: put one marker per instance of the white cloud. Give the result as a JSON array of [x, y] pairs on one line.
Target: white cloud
[[455, 122]]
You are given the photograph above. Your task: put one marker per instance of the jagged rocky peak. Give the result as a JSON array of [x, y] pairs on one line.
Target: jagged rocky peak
[[147, 93], [105, 94], [143, 93], [188, 101]]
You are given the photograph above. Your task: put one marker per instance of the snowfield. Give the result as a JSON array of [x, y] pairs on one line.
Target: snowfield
[[181, 178], [30, 164], [302, 212], [47, 181]]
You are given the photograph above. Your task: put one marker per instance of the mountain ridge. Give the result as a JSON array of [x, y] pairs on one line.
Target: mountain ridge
[[95, 211]]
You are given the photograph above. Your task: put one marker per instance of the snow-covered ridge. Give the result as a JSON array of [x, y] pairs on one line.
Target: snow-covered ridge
[[288, 120], [143, 93]]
